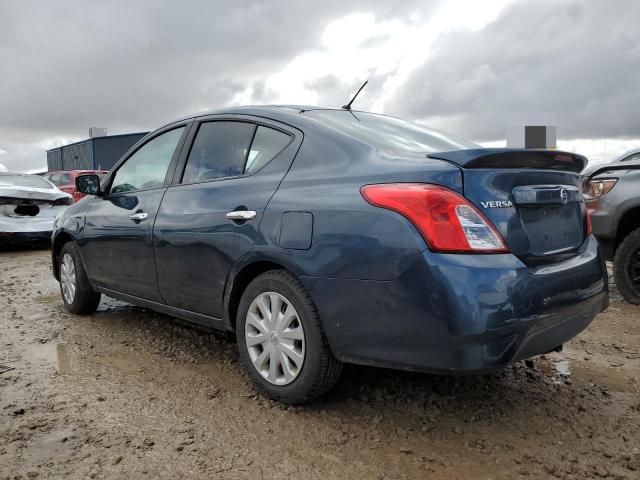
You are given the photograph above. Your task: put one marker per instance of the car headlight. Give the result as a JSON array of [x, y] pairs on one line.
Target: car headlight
[[595, 189]]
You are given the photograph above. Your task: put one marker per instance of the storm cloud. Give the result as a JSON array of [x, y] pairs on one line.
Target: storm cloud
[[130, 66], [576, 61]]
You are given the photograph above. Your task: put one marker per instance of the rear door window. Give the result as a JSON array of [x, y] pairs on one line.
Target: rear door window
[[219, 150], [267, 144]]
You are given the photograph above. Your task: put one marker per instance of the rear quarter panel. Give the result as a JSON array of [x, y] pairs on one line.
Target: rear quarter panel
[[350, 238]]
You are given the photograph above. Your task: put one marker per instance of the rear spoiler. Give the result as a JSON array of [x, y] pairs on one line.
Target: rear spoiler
[[609, 168], [514, 158]]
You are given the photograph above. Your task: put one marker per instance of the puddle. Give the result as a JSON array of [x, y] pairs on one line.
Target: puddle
[[42, 354], [558, 368], [108, 303], [563, 369], [145, 365], [48, 299], [612, 378]]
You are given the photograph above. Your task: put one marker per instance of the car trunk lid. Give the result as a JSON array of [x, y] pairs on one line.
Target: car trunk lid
[[533, 198]]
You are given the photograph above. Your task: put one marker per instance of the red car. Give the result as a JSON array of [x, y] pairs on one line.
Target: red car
[[65, 180]]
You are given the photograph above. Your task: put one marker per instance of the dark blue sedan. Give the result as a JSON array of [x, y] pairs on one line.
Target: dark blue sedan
[[328, 236]]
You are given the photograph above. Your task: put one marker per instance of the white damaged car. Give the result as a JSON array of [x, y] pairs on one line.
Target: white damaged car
[[28, 207]]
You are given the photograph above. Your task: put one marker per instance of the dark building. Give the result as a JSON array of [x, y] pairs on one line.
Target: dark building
[[95, 153]]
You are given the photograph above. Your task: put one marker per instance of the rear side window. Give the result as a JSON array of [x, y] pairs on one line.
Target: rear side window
[[219, 150], [267, 143]]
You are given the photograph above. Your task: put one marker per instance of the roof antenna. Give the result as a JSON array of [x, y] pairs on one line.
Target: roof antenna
[[348, 105]]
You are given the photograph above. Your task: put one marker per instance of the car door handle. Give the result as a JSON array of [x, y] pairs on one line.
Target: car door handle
[[138, 216], [241, 215]]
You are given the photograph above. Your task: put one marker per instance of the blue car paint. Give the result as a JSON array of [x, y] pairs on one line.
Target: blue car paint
[[461, 313], [384, 298]]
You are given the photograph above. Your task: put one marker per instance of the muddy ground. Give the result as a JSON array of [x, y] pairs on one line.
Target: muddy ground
[[128, 393]]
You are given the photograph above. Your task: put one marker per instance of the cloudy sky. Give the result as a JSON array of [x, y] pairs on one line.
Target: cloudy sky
[[468, 67]]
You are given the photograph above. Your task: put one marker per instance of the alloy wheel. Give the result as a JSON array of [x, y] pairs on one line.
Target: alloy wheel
[[275, 338]]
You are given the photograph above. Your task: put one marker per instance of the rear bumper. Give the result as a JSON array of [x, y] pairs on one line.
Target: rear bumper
[[461, 313], [26, 239], [42, 222]]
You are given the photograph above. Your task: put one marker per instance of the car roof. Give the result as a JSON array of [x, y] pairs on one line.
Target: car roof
[[76, 171], [284, 113], [13, 174], [627, 153]]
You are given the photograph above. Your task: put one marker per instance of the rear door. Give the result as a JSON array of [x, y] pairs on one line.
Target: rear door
[[118, 245], [209, 217]]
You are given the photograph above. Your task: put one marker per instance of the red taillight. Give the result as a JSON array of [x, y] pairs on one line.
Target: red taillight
[[587, 219], [447, 221]]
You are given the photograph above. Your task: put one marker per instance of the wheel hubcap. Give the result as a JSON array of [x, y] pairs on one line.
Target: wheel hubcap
[[275, 338], [68, 278]]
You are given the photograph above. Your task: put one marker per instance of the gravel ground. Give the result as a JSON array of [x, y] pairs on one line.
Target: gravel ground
[[128, 393]]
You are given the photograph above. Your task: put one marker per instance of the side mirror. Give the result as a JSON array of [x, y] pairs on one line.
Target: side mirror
[[89, 184]]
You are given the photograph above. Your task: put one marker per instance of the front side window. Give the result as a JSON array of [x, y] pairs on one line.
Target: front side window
[[147, 167], [219, 150], [267, 143]]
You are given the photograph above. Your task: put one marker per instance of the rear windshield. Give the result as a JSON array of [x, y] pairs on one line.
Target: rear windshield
[[390, 133], [31, 181]]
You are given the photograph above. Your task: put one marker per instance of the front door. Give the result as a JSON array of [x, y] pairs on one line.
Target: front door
[[233, 166], [118, 243]]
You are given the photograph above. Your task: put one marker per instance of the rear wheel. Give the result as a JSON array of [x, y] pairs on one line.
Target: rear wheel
[[626, 267], [281, 341], [77, 295]]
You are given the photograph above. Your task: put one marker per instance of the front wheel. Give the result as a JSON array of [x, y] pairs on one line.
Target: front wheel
[[626, 267], [77, 295], [281, 341]]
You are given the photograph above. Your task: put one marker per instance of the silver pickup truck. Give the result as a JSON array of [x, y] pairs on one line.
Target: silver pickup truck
[[612, 194]]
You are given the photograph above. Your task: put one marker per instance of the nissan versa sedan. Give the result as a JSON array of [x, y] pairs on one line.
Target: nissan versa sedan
[[329, 236]]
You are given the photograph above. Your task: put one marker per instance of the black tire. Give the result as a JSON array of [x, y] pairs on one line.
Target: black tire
[[320, 369], [626, 265], [86, 299]]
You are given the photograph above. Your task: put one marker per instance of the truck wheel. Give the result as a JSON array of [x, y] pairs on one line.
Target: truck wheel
[[281, 341], [77, 295], [626, 267]]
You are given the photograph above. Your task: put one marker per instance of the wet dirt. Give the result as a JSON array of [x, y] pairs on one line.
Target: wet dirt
[[128, 393]]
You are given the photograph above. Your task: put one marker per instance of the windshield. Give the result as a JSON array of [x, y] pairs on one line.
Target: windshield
[[390, 133], [31, 181]]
